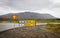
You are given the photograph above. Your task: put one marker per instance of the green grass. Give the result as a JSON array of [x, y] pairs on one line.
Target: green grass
[[47, 20], [37, 20], [53, 27]]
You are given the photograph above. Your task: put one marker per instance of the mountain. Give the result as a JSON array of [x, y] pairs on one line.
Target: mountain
[[29, 15]]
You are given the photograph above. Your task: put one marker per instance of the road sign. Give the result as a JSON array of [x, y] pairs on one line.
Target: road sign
[[14, 17], [30, 23]]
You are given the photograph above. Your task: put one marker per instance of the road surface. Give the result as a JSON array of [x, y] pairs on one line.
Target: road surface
[[5, 26], [24, 32], [27, 32]]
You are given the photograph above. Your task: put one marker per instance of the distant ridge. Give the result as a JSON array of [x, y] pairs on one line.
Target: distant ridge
[[28, 15]]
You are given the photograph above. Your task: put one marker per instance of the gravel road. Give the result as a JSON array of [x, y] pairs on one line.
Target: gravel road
[[27, 32]]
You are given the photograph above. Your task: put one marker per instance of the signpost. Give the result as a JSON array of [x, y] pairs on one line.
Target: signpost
[[30, 23], [14, 18], [27, 22], [24, 22]]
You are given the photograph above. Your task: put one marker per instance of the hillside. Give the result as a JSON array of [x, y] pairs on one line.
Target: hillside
[[29, 15]]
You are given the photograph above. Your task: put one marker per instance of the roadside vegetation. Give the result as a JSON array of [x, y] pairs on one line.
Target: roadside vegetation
[[8, 20], [53, 28], [47, 20], [37, 20]]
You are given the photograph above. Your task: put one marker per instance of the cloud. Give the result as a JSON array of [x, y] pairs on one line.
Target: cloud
[[28, 4], [46, 6], [55, 1]]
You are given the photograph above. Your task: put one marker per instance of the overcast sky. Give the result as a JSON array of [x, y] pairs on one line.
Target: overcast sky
[[40, 6]]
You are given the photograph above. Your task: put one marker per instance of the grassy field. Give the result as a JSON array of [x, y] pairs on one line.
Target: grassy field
[[47, 20], [53, 27], [37, 20]]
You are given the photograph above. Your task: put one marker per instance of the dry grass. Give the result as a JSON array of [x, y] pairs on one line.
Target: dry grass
[[53, 27]]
